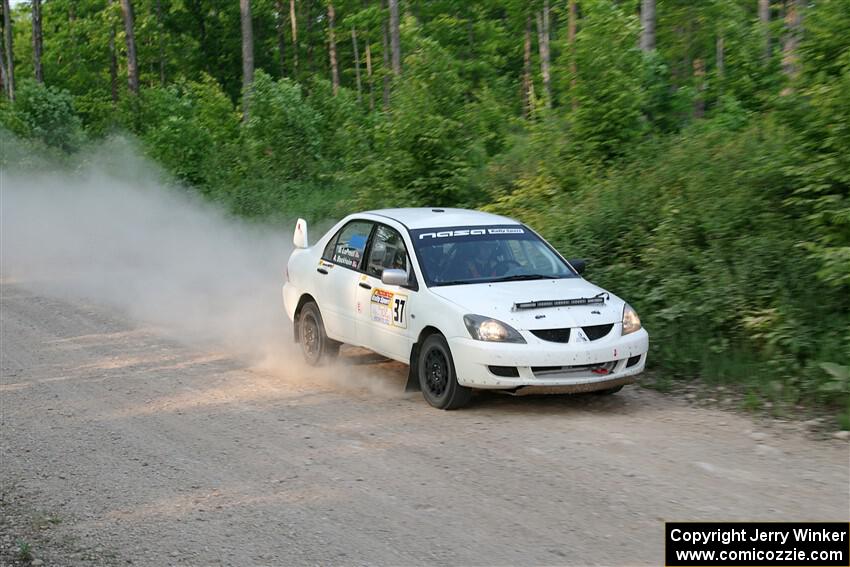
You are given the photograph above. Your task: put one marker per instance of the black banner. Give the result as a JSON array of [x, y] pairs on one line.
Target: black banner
[[762, 544]]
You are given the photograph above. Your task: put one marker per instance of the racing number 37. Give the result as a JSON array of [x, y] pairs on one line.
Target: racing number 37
[[399, 303]]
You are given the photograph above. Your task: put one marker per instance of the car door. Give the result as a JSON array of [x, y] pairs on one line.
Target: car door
[[338, 273], [383, 311]]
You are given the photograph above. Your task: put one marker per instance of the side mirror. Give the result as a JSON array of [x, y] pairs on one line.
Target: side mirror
[[299, 239], [578, 264], [394, 277]]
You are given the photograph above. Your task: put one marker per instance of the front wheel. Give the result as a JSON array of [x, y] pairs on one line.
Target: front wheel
[[315, 344], [437, 378]]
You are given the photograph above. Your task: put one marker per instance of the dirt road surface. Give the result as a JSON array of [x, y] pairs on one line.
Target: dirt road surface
[[121, 445]]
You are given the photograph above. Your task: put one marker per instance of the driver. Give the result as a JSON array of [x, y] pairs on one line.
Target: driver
[[482, 262]]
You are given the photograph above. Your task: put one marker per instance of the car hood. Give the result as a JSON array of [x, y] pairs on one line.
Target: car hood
[[497, 300]]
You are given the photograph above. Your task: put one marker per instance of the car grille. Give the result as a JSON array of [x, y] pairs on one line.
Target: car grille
[[602, 368], [595, 332], [553, 335]]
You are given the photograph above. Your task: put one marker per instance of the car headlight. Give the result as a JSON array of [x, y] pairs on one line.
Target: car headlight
[[631, 321], [486, 329]]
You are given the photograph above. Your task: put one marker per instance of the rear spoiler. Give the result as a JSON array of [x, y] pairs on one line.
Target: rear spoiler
[[299, 239]]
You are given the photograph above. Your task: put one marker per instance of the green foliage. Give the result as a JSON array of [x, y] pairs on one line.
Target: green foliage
[[24, 552], [709, 255], [609, 97], [716, 199], [46, 114], [185, 127], [821, 115]]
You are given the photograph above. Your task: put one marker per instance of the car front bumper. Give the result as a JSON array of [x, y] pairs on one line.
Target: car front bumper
[[547, 366]]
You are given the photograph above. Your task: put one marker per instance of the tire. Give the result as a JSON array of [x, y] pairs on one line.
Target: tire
[[437, 378], [608, 391], [316, 347]]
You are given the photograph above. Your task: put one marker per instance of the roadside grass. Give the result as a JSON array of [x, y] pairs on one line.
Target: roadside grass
[[777, 386], [24, 552]]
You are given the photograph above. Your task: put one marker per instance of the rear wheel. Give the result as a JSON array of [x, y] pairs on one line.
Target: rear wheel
[[437, 378], [315, 344]]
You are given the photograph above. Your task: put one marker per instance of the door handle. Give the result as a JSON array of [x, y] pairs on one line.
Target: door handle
[[364, 285], [322, 271]]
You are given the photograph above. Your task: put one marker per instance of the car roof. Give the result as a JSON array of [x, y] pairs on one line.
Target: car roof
[[415, 218]]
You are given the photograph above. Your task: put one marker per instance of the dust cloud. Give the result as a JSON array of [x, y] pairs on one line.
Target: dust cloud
[[113, 230]]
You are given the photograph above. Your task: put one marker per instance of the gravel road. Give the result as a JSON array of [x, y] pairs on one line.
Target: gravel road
[[122, 445]]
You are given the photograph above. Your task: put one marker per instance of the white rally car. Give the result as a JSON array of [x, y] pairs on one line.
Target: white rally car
[[467, 299]]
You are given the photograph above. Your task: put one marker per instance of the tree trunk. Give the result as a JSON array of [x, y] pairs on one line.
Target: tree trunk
[[356, 65], [385, 42], [791, 41], [281, 37], [647, 19], [294, 23], [132, 62], [311, 68], [160, 44], [543, 48], [527, 83], [113, 61], [720, 56], [764, 21], [247, 54], [369, 73], [332, 49], [571, 43], [10, 51], [2, 54], [37, 41], [2, 68], [699, 80], [395, 37]]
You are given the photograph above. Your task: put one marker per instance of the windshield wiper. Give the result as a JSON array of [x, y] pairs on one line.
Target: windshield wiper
[[456, 282], [525, 277]]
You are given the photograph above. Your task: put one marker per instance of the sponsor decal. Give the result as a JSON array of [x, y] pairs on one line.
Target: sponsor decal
[[469, 232], [389, 308]]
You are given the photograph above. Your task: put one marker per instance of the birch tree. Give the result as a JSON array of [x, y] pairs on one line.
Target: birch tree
[[37, 41], [543, 48], [764, 22], [527, 83], [332, 49], [395, 38], [130, 38], [8, 43], [356, 64], [647, 20], [247, 54]]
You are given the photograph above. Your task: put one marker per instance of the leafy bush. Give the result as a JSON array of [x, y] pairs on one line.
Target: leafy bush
[[47, 114]]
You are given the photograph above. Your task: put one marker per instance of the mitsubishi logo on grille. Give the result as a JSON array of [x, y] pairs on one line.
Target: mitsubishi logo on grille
[[580, 336]]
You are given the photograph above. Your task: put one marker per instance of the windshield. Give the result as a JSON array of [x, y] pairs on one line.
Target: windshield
[[482, 254]]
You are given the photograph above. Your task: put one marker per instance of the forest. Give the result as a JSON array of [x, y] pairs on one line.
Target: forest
[[697, 153]]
